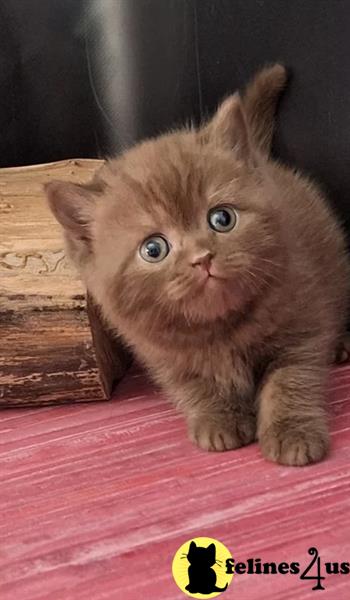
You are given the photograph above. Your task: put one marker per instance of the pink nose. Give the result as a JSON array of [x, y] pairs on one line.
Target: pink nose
[[203, 261]]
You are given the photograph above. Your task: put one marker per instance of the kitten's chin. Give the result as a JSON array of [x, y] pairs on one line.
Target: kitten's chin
[[218, 299], [214, 283]]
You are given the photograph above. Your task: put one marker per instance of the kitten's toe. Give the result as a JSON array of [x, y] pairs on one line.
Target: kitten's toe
[[213, 439], [293, 447], [213, 436]]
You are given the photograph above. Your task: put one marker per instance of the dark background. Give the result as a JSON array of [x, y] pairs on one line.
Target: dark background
[[87, 78]]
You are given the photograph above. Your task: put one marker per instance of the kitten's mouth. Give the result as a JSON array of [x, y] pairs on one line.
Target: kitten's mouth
[[211, 282], [211, 276], [214, 279], [216, 276]]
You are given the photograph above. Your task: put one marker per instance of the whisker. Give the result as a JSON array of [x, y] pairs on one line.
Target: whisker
[[255, 280], [271, 262], [269, 275]]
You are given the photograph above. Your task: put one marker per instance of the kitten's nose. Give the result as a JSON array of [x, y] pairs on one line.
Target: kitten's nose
[[203, 261]]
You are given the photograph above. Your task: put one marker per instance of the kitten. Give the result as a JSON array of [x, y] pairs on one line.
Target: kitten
[[202, 578], [224, 271]]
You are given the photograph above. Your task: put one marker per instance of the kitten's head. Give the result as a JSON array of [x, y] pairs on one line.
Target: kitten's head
[[203, 557], [180, 227]]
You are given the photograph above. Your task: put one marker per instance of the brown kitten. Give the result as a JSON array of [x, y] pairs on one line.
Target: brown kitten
[[224, 271]]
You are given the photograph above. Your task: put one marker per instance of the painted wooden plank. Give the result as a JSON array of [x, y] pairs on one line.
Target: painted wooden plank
[[95, 499]]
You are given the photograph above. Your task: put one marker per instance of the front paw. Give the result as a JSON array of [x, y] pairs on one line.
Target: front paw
[[219, 435], [295, 446]]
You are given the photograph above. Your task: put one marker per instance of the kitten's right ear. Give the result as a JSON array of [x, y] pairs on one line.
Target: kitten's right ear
[[246, 123], [193, 546], [260, 100]]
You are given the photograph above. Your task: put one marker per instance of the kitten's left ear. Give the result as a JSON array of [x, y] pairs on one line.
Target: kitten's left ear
[[229, 129], [73, 206]]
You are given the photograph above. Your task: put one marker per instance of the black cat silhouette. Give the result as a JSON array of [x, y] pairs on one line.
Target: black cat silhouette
[[202, 578]]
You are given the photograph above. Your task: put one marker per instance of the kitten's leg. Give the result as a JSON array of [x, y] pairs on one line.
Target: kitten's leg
[[219, 417], [292, 422]]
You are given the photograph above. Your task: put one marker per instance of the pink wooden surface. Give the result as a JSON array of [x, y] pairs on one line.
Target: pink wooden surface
[[96, 499]]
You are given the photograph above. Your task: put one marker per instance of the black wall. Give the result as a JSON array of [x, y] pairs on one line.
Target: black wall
[[90, 77]]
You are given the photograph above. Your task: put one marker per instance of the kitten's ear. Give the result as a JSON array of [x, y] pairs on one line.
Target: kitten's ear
[[260, 100], [73, 206], [228, 128], [193, 546]]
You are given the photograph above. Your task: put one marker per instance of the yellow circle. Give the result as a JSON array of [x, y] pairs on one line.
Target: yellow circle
[[199, 568]]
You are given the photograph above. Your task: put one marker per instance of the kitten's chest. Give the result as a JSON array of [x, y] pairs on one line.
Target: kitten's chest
[[217, 355], [214, 360]]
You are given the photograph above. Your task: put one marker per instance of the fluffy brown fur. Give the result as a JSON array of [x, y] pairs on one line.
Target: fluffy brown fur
[[238, 327]]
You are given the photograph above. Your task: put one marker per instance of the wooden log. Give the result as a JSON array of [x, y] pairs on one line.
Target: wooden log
[[47, 354]]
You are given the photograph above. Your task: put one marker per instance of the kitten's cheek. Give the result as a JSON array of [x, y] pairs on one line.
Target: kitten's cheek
[[230, 294]]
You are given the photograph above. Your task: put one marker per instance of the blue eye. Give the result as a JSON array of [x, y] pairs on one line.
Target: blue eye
[[222, 218], [154, 249]]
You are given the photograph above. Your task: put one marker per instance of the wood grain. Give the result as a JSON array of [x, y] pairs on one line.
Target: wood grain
[[34, 272], [95, 499], [47, 358], [46, 354]]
